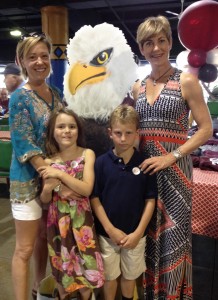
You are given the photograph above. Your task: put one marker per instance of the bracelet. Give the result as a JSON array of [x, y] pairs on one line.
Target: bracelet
[[177, 154], [57, 188]]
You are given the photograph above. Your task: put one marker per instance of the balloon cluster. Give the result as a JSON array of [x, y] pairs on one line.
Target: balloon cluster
[[198, 33]]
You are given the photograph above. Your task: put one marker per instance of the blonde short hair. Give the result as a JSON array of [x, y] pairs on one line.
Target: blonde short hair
[[124, 114], [26, 43], [152, 26]]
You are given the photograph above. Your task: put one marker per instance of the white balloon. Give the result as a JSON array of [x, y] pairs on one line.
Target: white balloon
[[182, 59], [212, 57]]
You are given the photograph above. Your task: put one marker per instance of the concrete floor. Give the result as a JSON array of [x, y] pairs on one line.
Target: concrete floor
[[7, 244]]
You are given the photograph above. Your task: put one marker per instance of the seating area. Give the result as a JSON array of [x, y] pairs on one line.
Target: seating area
[[6, 151], [4, 120]]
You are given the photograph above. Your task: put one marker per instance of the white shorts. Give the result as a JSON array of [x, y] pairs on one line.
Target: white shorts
[[117, 260], [27, 211]]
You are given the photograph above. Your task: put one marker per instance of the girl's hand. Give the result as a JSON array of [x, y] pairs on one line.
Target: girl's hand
[[67, 193], [157, 163], [50, 184], [49, 172]]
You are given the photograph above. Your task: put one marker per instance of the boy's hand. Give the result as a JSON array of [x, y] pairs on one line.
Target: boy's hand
[[130, 241], [116, 235]]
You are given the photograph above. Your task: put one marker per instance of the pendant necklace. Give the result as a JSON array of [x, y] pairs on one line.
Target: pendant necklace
[[155, 80]]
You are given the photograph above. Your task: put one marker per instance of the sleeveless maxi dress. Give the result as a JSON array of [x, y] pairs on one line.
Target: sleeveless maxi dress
[[163, 128], [74, 252]]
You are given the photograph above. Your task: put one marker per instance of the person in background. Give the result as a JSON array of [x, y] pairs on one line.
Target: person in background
[[73, 247], [4, 100], [30, 107], [123, 201], [13, 77], [164, 100]]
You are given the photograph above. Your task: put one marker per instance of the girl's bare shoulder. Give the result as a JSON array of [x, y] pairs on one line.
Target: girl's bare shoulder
[[88, 153]]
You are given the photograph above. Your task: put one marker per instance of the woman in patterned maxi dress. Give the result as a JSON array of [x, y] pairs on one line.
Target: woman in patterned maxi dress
[[164, 101], [73, 249]]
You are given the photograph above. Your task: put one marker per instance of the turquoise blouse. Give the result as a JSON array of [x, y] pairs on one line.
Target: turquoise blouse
[[28, 119]]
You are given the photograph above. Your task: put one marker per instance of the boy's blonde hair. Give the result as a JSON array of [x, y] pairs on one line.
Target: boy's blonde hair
[[124, 114], [152, 26]]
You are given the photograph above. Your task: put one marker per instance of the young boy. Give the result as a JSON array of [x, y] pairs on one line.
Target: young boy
[[123, 202]]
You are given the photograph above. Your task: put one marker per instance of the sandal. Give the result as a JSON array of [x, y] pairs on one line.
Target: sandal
[[56, 294]]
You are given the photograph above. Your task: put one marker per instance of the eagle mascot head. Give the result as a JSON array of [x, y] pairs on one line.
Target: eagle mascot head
[[101, 71]]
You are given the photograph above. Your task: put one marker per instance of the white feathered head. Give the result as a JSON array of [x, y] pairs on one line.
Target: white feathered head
[[101, 71]]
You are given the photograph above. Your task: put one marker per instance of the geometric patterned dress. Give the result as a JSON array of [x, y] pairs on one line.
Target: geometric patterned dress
[[163, 128], [74, 252]]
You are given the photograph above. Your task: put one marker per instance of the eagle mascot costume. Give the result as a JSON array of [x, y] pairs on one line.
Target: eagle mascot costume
[[101, 71]]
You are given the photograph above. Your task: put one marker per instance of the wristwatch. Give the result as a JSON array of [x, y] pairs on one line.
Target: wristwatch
[[177, 154]]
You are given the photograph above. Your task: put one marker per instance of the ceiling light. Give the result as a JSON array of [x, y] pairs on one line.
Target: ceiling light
[[15, 32]]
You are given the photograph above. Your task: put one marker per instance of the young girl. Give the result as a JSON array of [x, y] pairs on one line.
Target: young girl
[[73, 249]]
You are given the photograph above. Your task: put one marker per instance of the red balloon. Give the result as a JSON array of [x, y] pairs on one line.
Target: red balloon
[[198, 26], [197, 58]]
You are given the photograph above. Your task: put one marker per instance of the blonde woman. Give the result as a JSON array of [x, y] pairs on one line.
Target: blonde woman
[[164, 100], [30, 108]]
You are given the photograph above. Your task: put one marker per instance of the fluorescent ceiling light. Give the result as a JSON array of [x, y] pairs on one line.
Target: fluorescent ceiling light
[[15, 32]]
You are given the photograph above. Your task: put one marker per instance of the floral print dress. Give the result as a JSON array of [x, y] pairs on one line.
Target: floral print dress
[[72, 242]]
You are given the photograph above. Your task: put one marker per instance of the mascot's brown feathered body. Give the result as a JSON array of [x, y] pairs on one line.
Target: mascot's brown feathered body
[[101, 71]]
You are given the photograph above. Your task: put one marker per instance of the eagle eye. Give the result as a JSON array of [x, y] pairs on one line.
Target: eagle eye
[[102, 57]]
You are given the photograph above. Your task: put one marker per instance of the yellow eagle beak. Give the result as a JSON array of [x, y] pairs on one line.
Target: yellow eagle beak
[[82, 74]]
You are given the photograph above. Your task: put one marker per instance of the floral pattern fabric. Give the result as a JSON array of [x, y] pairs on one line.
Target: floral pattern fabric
[[72, 242]]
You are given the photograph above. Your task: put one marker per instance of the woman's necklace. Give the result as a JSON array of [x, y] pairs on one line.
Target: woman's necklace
[[155, 80]]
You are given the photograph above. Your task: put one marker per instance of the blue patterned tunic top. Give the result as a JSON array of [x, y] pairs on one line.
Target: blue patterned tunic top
[[28, 118]]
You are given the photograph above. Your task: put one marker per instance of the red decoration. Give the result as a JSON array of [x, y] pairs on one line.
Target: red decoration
[[198, 26], [197, 58]]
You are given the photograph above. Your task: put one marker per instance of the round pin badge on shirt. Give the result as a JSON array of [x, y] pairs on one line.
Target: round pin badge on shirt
[[74, 164], [136, 171]]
